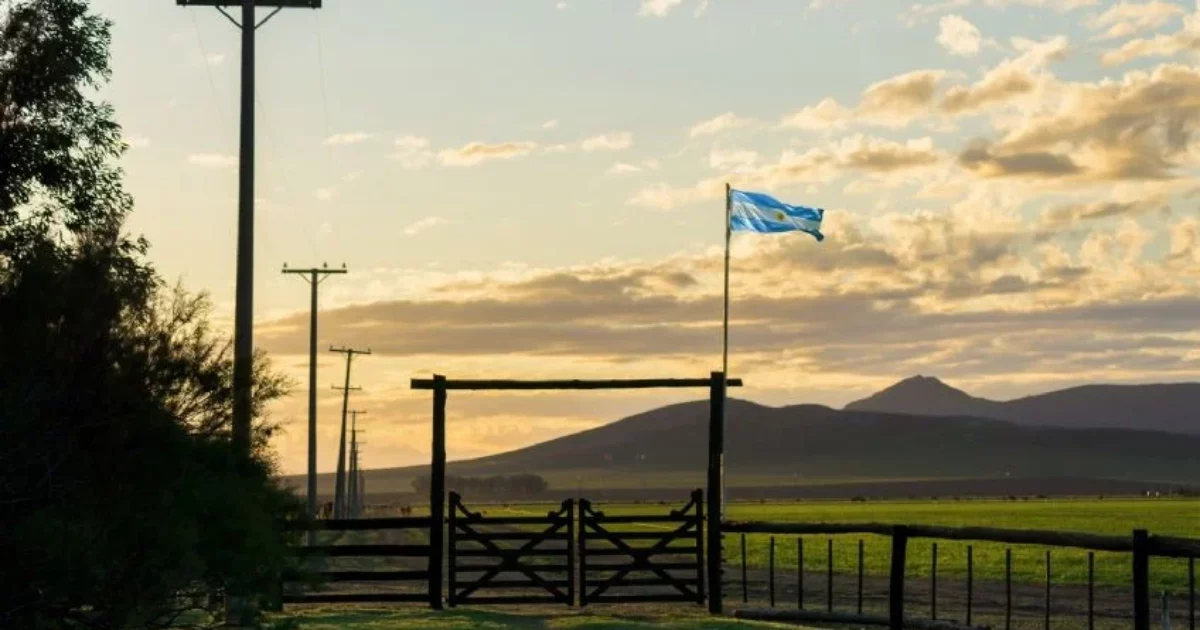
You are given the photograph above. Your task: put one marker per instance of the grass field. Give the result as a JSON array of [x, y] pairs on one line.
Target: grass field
[[404, 618], [1118, 517]]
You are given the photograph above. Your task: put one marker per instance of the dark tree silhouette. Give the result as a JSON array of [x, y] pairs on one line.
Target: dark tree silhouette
[[122, 503]]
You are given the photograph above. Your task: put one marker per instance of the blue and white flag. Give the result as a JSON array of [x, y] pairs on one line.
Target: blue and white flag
[[756, 212]]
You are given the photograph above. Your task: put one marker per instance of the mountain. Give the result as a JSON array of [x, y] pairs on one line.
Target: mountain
[[812, 444], [1173, 408]]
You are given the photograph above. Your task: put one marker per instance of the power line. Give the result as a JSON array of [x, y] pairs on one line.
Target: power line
[[339, 496]]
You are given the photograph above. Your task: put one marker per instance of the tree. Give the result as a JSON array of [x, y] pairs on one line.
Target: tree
[[121, 497]]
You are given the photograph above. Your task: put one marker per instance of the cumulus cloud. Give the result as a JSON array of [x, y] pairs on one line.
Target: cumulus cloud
[[899, 100], [1185, 40], [475, 153], [1138, 128], [608, 142], [860, 153], [718, 124], [958, 36], [621, 168], [824, 116], [1131, 18]]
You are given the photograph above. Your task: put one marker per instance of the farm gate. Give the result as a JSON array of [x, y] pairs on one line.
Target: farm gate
[[567, 556], [536, 551]]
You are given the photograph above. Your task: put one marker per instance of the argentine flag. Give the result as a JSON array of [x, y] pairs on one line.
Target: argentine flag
[[756, 212]]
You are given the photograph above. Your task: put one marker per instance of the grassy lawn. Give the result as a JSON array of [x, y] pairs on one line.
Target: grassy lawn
[[624, 618]]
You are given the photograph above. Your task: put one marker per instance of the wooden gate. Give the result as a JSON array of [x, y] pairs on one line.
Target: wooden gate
[[607, 557], [532, 555]]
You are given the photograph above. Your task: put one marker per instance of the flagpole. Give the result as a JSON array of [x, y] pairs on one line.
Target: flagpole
[[725, 334]]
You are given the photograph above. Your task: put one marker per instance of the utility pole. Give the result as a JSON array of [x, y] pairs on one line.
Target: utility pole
[[353, 480], [314, 277], [243, 333], [339, 494]]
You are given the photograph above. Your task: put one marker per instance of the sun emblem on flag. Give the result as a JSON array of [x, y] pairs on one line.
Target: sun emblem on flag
[[780, 216]]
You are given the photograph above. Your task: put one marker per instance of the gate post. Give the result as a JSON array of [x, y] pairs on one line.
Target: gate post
[[716, 459], [1141, 579], [437, 493], [896, 578]]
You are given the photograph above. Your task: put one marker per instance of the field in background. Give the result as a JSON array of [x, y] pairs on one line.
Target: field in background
[[1117, 517]]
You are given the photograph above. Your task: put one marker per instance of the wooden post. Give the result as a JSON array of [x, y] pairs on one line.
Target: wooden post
[[698, 499], [799, 573], [771, 572], [1007, 589], [860, 575], [970, 580], [437, 493], [896, 579], [1141, 580], [572, 577], [451, 540], [829, 577], [716, 458]]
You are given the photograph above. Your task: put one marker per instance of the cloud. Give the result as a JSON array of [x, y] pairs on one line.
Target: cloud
[[608, 142], [1131, 18], [325, 194], [921, 11], [701, 9], [474, 153], [859, 153], [657, 8], [411, 152], [719, 124], [212, 160], [424, 224], [1137, 128], [560, 6], [735, 159], [899, 100], [621, 168], [352, 137], [824, 116], [550, 124], [1073, 214], [214, 59], [958, 36], [1187, 39]]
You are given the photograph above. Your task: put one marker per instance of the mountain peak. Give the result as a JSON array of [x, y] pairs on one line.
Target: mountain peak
[[924, 395]]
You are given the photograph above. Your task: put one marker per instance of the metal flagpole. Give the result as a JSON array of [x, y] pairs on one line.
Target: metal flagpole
[[725, 332]]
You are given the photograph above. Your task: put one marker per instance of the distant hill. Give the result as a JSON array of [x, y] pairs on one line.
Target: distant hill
[[1173, 408], [815, 444]]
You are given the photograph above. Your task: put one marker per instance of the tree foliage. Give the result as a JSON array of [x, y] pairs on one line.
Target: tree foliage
[[121, 498]]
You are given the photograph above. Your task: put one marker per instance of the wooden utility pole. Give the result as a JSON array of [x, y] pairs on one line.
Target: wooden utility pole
[[353, 475], [243, 333], [339, 494], [314, 276]]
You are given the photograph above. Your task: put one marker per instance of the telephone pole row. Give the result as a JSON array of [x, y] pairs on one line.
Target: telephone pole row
[[339, 495], [314, 276]]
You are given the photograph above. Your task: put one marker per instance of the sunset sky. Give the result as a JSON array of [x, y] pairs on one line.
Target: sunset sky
[[534, 188]]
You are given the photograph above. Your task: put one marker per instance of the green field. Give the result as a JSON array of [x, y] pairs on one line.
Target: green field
[[1117, 517]]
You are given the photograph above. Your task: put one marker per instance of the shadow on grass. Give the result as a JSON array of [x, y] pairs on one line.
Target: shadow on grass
[[367, 618]]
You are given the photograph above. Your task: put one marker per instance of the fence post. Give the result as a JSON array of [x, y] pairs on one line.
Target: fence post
[[437, 493], [1141, 580], [716, 459], [451, 543], [896, 580]]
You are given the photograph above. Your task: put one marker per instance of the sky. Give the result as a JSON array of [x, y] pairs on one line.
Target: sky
[[535, 189]]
